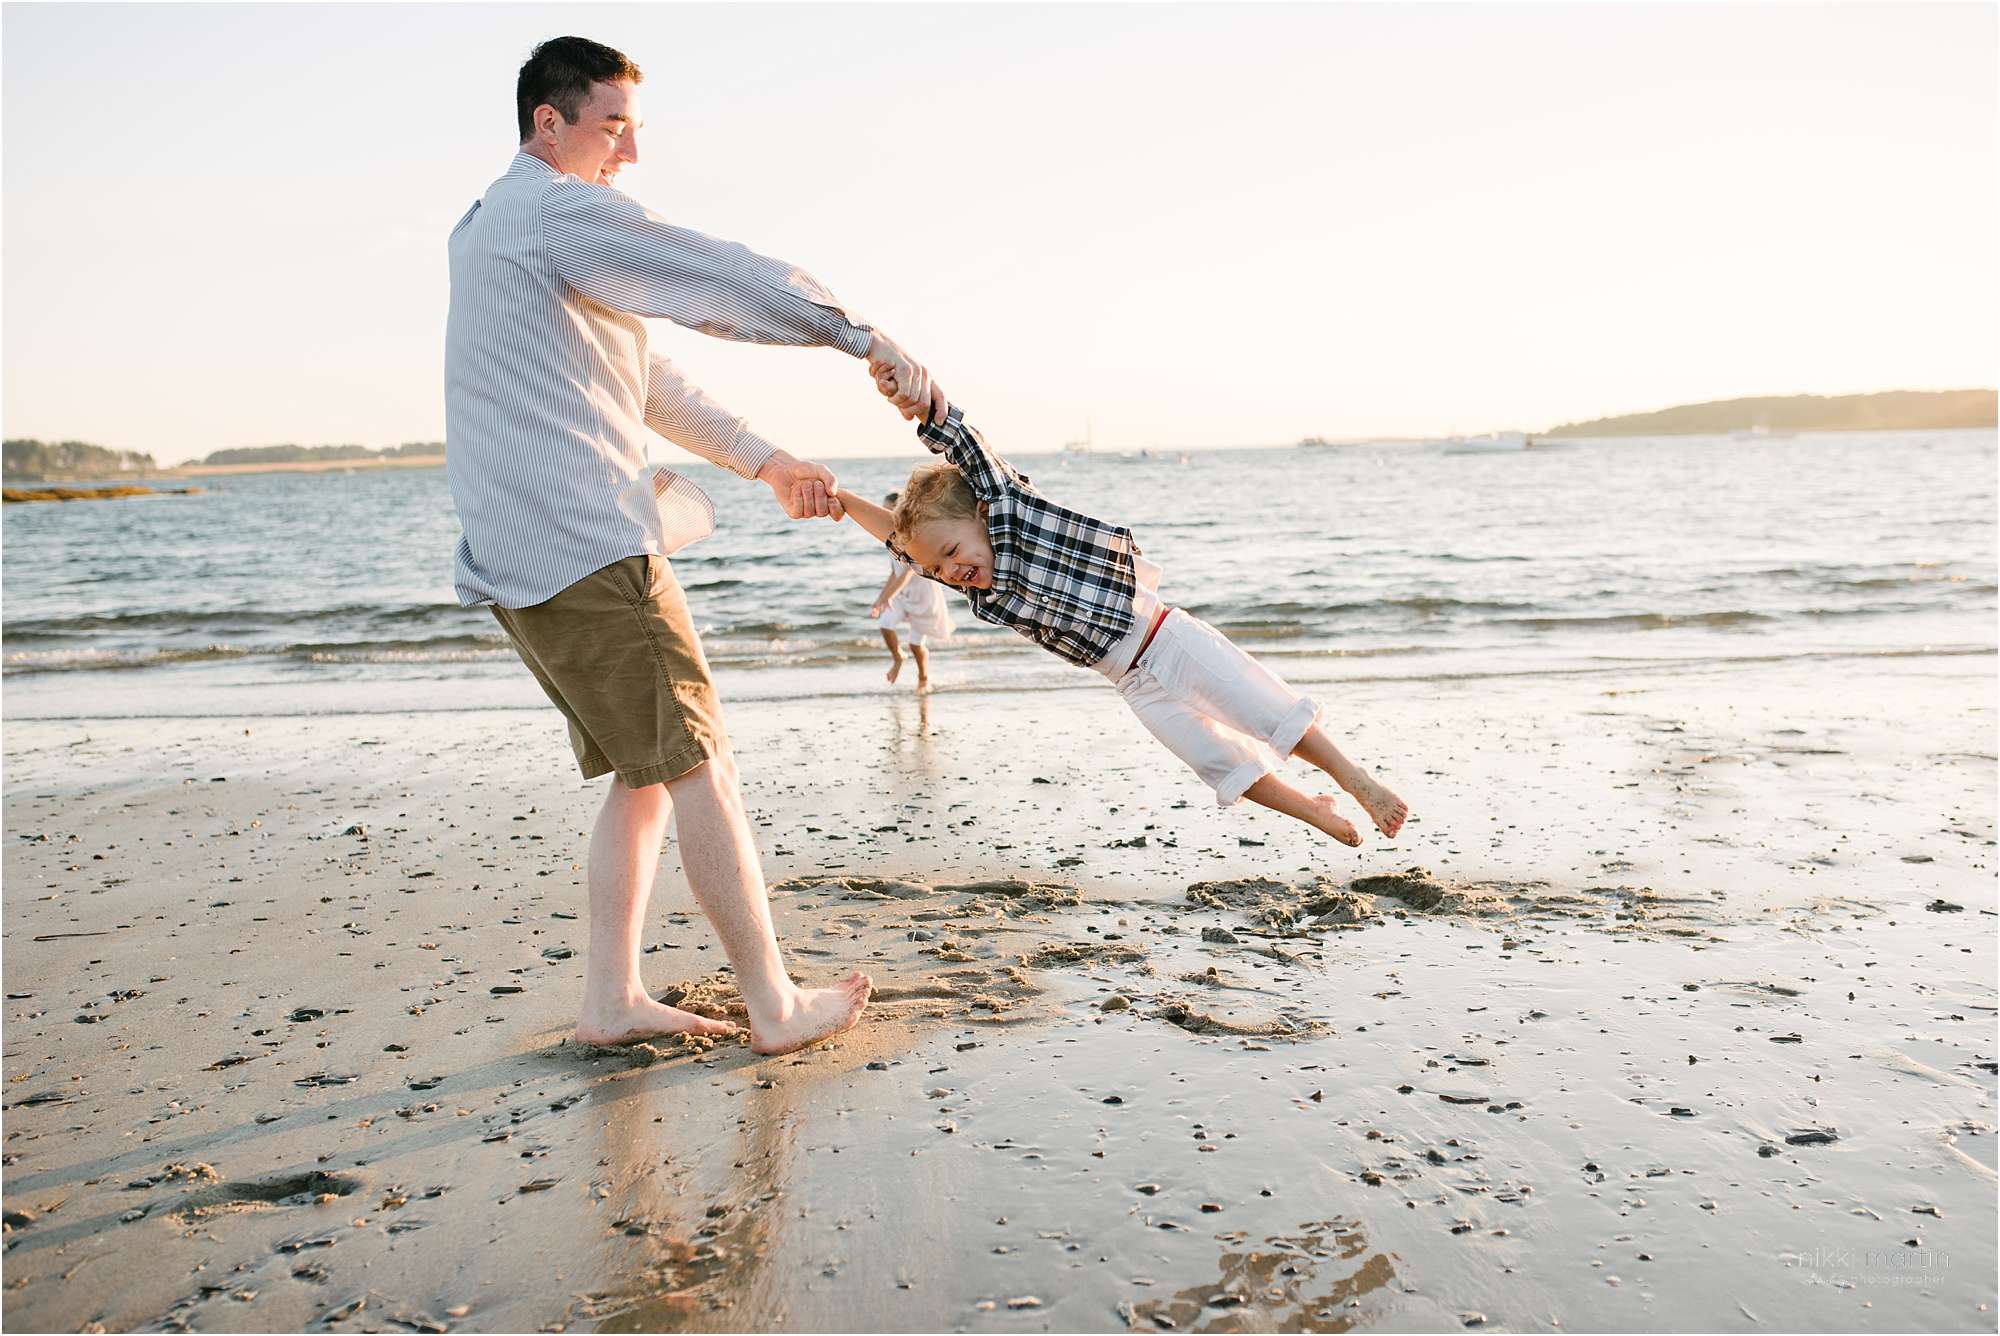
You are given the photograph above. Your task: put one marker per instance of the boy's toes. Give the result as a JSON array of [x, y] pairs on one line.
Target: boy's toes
[[1385, 809], [1334, 824]]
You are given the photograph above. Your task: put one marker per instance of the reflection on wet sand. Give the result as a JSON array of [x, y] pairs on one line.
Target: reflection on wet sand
[[1270, 1288], [689, 1231], [912, 746]]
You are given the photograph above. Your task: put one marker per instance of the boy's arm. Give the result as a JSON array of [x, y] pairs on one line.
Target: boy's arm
[[877, 521], [989, 476]]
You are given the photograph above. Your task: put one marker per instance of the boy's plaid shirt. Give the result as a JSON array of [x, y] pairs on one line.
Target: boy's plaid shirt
[[1061, 578]]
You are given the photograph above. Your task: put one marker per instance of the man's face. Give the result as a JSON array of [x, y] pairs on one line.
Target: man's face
[[955, 551], [604, 137]]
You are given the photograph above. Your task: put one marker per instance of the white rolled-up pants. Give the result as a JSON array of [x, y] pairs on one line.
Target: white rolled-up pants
[[1227, 716]]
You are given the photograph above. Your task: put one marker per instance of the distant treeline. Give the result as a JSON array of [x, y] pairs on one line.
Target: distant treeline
[[1896, 410], [41, 461], [30, 460], [302, 454]]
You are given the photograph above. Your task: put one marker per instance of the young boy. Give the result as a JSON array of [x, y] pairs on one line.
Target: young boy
[[1079, 588], [914, 607]]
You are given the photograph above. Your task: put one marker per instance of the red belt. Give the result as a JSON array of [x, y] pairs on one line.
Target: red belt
[[1151, 631]]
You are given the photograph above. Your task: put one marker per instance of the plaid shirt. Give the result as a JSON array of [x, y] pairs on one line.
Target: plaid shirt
[[1061, 578]]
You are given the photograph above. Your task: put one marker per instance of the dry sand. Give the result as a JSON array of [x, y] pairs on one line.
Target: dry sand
[[1675, 1029]]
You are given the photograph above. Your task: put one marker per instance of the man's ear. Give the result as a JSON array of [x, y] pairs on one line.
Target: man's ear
[[981, 509], [547, 118]]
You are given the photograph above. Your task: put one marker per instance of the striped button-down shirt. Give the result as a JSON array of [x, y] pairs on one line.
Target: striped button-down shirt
[[1061, 578], [550, 386]]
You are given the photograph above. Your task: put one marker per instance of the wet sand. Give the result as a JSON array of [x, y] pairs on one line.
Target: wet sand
[[1687, 1021]]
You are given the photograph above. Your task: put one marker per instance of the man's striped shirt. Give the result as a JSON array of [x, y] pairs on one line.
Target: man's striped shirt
[[550, 386]]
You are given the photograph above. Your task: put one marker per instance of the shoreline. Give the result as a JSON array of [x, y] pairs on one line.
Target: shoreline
[[301, 467], [1053, 453], [114, 492], [220, 470], [330, 961]]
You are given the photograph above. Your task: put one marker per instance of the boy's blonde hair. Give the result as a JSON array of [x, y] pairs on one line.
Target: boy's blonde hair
[[934, 492]]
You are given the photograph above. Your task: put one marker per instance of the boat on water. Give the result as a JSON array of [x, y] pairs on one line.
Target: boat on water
[[1761, 432], [1082, 446], [1492, 442], [1313, 443]]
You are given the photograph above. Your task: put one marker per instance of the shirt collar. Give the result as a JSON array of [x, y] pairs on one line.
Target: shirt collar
[[527, 164]]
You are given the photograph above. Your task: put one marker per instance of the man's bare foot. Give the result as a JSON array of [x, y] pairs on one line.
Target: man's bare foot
[[813, 1014], [1332, 822], [1383, 807], [895, 668], [634, 1023]]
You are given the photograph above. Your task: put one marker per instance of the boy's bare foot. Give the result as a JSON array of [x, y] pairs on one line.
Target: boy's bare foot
[[1384, 807], [923, 686], [636, 1022], [1333, 823], [895, 668], [812, 1015]]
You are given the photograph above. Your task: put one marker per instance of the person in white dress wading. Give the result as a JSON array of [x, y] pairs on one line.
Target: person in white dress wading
[[915, 607]]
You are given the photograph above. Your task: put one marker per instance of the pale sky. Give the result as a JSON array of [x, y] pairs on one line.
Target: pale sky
[[1191, 226]]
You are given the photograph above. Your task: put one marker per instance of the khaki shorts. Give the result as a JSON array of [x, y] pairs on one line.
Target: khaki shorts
[[618, 654]]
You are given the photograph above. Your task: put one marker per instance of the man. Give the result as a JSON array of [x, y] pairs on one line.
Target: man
[[550, 390]]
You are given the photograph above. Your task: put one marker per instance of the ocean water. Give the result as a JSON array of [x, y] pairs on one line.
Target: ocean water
[[302, 592]]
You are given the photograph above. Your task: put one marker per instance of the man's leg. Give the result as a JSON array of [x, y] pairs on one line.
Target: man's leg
[[720, 859], [624, 853]]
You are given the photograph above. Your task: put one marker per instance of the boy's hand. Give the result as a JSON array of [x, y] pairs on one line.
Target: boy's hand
[[885, 381], [806, 490], [903, 380]]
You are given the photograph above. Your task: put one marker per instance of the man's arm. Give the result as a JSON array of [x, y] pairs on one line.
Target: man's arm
[[681, 412], [615, 251]]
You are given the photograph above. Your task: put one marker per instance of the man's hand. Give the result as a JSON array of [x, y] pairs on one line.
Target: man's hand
[[803, 488], [903, 380]]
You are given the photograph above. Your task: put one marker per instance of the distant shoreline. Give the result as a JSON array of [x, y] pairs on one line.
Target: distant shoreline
[[305, 466], [211, 470], [1890, 410], [115, 492], [1970, 410]]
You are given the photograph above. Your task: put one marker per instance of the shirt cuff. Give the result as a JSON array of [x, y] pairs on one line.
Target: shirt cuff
[[854, 339], [751, 454]]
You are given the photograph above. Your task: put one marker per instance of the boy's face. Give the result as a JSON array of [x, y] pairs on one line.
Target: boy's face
[[955, 551]]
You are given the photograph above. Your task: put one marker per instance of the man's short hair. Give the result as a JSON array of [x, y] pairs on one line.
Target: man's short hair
[[560, 72]]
